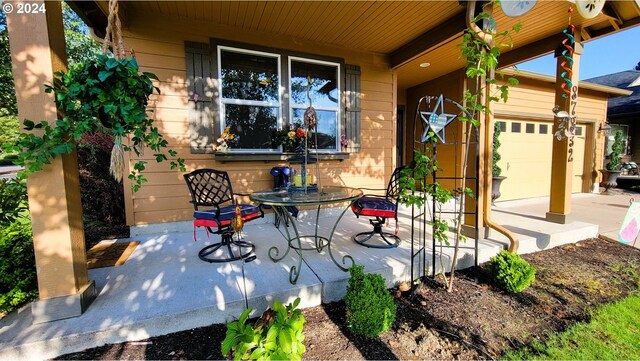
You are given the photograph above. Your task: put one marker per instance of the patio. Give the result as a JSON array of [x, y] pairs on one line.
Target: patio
[[164, 287]]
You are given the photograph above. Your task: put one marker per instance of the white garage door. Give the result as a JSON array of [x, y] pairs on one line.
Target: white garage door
[[526, 158]]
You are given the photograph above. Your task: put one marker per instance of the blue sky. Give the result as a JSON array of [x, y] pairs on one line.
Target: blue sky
[[607, 55]]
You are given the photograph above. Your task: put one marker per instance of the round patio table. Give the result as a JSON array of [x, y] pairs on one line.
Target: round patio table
[[281, 199]]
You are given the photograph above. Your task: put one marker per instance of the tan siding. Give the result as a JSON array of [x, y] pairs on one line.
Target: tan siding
[[165, 197]]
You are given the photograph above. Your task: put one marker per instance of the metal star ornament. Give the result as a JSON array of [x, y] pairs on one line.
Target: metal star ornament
[[437, 120]]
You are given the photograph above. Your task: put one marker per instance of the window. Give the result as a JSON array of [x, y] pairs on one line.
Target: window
[[250, 102], [544, 128], [259, 95], [502, 126], [515, 127], [315, 83], [530, 128], [578, 131]]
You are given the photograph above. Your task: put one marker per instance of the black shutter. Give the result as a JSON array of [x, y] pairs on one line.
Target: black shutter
[[200, 103], [352, 107]]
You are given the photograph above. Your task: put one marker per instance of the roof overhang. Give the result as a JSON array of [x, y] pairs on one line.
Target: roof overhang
[[405, 33]]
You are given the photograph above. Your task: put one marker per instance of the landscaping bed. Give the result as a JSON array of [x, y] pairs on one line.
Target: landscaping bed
[[476, 321]]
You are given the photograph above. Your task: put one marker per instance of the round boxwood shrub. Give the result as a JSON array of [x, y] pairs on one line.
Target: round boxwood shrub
[[510, 272], [370, 307]]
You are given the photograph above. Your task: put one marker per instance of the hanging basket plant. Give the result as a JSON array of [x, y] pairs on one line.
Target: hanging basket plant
[[107, 93]]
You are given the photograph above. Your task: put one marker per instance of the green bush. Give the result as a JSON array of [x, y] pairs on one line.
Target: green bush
[[496, 171], [370, 308], [9, 129], [277, 335], [13, 200], [511, 272], [18, 280], [616, 152]]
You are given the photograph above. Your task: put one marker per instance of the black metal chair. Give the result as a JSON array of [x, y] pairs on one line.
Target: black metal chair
[[211, 188], [381, 208]]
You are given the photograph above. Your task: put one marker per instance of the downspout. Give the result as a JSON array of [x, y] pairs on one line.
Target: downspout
[[488, 132]]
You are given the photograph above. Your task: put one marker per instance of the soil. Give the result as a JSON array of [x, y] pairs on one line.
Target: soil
[[93, 235], [476, 321]]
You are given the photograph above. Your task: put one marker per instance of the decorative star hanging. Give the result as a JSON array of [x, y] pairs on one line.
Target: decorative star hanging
[[437, 120]]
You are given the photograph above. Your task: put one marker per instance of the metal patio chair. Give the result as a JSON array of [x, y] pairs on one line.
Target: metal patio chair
[[215, 208], [380, 208]]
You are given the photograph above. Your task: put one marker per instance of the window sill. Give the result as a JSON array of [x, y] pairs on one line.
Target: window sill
[[273, 157]]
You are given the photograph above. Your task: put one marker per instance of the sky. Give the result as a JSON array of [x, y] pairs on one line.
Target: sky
[[607, 55]]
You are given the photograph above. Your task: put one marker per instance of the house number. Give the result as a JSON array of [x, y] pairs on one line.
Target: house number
[[572, 119]]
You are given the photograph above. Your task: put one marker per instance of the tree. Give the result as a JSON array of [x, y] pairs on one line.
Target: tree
[[7, 90], [638, 66], [80, 47]]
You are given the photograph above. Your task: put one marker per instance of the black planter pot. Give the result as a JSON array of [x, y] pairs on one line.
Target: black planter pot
[[609, 178], [495, 187]]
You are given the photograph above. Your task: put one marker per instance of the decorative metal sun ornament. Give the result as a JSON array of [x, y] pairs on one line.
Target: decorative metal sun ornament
[[437, 120]]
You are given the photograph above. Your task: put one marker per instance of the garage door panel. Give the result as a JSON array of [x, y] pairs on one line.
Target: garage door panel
[[526, 161]]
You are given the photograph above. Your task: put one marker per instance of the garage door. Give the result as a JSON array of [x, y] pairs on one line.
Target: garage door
[[526, 149]]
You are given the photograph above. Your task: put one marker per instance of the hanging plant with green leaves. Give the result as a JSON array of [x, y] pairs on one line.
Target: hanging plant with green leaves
[[104, 93]]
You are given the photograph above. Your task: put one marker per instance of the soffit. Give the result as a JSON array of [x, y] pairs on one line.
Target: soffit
[[384, 27]]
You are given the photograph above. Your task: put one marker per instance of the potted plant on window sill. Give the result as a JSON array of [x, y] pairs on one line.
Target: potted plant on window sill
[[496, 171], [612, 170], [105, 92]]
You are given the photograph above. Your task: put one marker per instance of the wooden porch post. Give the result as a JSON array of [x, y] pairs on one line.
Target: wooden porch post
[[37, 51], [562, 159]]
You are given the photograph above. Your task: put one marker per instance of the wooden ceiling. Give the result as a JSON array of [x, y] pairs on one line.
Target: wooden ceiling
[[407, 32]]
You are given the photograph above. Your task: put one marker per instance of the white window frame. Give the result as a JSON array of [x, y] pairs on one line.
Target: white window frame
[[224, 101], [337, 108]]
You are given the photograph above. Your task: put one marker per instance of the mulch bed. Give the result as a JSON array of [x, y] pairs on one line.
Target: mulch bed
[[475, 321]]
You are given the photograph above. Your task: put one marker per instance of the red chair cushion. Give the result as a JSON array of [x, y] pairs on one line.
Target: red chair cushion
[[374, 207], [207, 218]]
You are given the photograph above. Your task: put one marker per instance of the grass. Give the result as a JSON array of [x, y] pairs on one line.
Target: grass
[[612, 334]]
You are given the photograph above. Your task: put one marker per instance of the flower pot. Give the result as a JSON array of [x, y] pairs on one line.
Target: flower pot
[[495, 187], [609, 178]]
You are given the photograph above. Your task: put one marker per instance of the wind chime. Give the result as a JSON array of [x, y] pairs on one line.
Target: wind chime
[[565, 52]]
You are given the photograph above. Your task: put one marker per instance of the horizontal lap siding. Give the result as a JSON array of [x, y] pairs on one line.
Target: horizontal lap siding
[[165, 197]]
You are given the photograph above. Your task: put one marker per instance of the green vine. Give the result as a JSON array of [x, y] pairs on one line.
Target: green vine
[[103, 93], [496, 171]]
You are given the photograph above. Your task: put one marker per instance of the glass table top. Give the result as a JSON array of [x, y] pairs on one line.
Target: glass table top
[[325, 195]]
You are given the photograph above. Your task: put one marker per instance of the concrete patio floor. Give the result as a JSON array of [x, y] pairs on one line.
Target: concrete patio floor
[[164, 287]]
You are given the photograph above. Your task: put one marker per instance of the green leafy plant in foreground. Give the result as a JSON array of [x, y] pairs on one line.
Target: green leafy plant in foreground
[[511, 272], [370, 308], [106, 93], [277, 335]]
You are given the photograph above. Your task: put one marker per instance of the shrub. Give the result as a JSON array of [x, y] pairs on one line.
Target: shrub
[[616, 151], [511, 272], [277, 335], [18, 280], [9, 129], [13, 200], [370, 308], [496, 171]]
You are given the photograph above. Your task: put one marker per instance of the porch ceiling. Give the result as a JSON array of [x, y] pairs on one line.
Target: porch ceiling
[[407, 32]]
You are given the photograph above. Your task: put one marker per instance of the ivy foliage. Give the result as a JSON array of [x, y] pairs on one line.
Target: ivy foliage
[[370, 308], [105, 93], [510, 272], [277, 335]]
